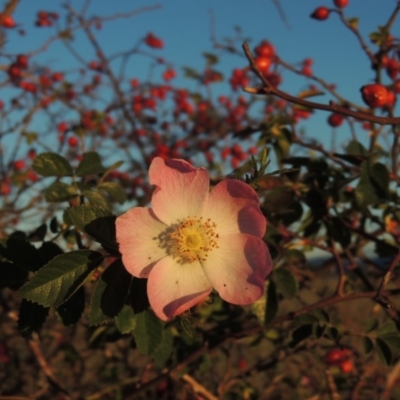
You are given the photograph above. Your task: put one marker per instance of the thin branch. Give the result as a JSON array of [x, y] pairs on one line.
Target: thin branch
[[332, 107], [385, 280]]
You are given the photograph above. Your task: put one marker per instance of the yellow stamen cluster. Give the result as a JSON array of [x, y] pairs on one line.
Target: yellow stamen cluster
[[191, 240]]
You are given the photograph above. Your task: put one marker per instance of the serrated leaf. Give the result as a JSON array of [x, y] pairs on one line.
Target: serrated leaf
[[31, 317], [321, 314], [48, 250], [393, 342], [52, 164], [271, 307], [114, 190], [96, 199], [138, 295], [373, 185], [12, 275], [332, 332], [387, 329], [22, 253], [84, 214], [38, 234], [285, 282], [103, 231], [116, 292], [125, 320], [384, 352], [96, 315], [368, 344], [355, 148], [90, 165], [54, 225], [306, 319], [295, 257], [60, 191], [300, 333], [211, 58], [71, 310], [371, 325], [148, 332], [318, 330], [60, 277], [164, 350]]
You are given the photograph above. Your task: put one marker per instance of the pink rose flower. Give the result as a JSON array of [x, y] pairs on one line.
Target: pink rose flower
[[193, 240]]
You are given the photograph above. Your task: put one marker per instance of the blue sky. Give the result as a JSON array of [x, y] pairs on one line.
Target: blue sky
[[185, 27]]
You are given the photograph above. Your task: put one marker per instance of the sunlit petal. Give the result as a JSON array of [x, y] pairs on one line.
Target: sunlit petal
[[181, 190], [238, 268], [137, 232], [234, 207], [174, 288]]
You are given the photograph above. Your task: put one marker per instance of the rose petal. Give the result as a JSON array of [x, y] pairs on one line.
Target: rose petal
[[181, 190], [173, 288], [137, 231], [234, 207], [238, 268]]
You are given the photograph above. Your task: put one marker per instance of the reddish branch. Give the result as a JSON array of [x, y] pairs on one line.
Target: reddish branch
[[268, 88]]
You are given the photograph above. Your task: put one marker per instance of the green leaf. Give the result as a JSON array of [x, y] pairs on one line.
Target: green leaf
[[96, 315], [90, 165], [118, 281], [103, 231], [295, 257], [211, 58], [271, 308], [38, 234], [355, 148], [368, 344], [321, 314], [52, 164], [59, 191], [387, 329], [371, 325], [306, 319], [332, 332], [353, 22], [164, 349], [71, 310], [138, 295], [285, 282], [96, 199], [300, 333], [114, 190], [61, 277], [126, 320], [384, 352], [393, 342], [373, 185], [12, 275], [21, 253], [84, 214], [148, 332], [31, 317], [191, 73]]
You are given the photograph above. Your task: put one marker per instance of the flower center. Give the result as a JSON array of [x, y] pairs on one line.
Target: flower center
[[191, 240]]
